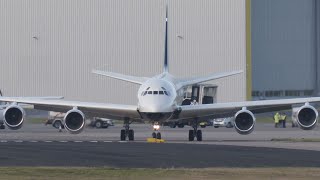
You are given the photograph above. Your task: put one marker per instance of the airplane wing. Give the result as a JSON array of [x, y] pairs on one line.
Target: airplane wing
[[111, 111], [132, 79], [209, 111], [196, 80]]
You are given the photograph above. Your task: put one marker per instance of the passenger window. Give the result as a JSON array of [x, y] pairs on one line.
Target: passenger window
[[155, 92], [161, 92], [149, 92]]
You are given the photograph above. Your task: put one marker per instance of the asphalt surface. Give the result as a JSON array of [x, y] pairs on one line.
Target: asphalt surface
[[39, 145], [144, 155]]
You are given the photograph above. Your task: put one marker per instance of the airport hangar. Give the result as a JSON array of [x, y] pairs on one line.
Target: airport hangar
[[49, 47]]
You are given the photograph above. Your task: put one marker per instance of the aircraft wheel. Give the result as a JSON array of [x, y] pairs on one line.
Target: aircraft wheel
[[131, 135], [199, 135], [123, 135], [158, 135], [154, 135], [191, 136]]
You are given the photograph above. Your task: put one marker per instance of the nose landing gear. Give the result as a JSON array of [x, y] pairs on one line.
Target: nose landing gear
[[195, 133], [127, 132], [156, 134]]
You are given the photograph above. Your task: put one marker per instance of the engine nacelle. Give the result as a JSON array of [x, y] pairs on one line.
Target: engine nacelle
[[74, 121], [307, 117], [13, 117], [244, 122]]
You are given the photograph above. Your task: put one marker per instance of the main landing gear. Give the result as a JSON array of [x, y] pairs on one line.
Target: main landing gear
[[195, 133], [127, 132], [156, 134]]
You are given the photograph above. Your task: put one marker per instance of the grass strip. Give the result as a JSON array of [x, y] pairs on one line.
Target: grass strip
[[49, 173]]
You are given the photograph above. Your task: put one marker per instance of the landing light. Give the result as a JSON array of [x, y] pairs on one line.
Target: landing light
[[156, 127]]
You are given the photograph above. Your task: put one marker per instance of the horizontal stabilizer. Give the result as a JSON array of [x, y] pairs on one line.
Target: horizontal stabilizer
[[132, 79], [196, 80]]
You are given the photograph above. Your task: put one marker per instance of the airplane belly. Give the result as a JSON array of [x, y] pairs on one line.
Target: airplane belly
[[158, 116]]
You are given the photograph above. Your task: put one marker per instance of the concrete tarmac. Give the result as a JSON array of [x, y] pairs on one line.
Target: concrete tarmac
[[39, 145]]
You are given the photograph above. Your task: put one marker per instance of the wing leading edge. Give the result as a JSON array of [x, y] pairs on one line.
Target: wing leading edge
[[229, 109], [112, 111]]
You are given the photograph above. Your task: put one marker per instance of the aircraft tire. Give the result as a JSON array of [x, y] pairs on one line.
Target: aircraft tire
[[154, 135], [131, 135], [191, 136], [123, 135], [158, 135], [199, 135]]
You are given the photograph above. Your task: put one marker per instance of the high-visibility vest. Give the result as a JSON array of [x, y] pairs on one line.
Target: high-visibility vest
[[276, 118]]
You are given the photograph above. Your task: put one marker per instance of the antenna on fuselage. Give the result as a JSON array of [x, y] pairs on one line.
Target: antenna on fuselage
[[166, 66]]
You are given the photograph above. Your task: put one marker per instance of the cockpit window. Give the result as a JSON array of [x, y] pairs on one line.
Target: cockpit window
[[166, 93], [161, 92], [145, 93], [149, 92], [155, 92]]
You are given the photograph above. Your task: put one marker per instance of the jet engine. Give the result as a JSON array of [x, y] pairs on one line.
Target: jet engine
[[74, 121], [244, 122], [307, 117], [13, 117]]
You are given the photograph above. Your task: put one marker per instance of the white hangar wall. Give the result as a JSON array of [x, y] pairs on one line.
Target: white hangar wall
[[49, 47]]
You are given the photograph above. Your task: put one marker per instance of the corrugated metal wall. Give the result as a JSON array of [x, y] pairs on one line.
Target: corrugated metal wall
[[49, 47], [283, 45]]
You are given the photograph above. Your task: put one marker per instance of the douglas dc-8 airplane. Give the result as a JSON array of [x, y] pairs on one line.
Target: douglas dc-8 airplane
[[157, 104]]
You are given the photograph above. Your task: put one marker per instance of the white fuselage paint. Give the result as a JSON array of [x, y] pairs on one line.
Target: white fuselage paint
[[163, 101]]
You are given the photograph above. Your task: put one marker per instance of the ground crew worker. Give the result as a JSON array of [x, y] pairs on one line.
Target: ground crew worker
[[284, 117], [276, 118]]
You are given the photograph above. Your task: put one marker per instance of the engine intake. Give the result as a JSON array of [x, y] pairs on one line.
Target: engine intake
[[13, 117], [74, 121], [307, 117], [244, 122]]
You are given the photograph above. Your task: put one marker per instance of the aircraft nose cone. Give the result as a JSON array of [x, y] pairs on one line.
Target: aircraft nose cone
[[156, 107]]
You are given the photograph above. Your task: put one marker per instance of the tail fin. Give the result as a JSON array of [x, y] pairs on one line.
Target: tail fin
[[166, 66]]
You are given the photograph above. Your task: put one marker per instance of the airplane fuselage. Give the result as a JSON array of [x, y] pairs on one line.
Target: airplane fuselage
[[157, 98]]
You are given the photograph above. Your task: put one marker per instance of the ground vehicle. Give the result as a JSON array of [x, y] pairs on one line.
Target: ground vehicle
[[202, 93], [56, 119], [227, 122], [101, 122], [205, 124], [175, 124]]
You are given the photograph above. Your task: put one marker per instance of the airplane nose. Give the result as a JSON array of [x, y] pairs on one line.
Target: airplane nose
[[156, 107]]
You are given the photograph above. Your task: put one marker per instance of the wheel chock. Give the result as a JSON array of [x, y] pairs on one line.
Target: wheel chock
[[154, 140]]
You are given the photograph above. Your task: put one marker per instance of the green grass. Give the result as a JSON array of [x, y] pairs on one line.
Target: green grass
[[49, 173]]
